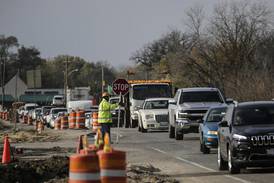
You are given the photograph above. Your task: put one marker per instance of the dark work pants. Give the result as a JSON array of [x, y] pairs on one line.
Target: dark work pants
[[105, 128]]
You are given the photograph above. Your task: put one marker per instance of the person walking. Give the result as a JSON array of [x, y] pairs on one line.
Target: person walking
[[104, 116]]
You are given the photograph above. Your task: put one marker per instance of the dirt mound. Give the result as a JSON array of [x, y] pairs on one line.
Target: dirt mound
[[30, 136], [35, 171], [56, 170]]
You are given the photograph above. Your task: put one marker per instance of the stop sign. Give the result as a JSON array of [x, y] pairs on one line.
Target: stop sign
[[120, 86]]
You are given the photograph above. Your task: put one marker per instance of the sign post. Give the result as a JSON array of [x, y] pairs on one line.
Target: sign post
[[120, 87]]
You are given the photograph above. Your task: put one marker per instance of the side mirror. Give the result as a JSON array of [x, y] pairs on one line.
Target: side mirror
[[223, 124], [138, 108], [171, 102], [229, 100]]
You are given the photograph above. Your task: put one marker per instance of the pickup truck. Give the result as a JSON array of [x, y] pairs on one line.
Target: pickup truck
[[188, 107]]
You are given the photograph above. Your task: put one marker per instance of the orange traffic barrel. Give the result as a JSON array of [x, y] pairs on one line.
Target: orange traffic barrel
[[80, 119], [95, 124], [112, 166], [84, 168], [6, 116], [57, 124], [25, 119], [30, 120], [72, 120], [64, 122]]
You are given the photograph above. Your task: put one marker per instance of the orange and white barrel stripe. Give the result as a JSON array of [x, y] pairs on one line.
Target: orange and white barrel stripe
[[112, 166], [57, 124], [25, 119], [72, 120], [64, 122], [30, 120], [84, 169], [95, 124], [80, 119]]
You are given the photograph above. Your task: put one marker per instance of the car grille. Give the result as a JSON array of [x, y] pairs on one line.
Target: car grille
[[263, 140], [161, 118]]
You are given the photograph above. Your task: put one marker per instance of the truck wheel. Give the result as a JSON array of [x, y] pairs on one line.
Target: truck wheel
[[171, 131], [142, 129], [178, 136], [232, 168], [222, 164], [139, 128]]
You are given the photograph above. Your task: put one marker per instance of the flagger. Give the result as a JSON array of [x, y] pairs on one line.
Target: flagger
[[104, 115]]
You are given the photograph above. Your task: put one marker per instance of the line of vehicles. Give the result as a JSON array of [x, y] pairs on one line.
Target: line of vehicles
[[243, 133]]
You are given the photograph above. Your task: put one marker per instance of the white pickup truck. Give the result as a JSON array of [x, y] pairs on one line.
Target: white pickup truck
[[189, 106]]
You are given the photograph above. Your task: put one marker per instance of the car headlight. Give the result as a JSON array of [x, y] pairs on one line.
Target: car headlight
[[239, 137], [182, 115], [212, 133], [149, 116]]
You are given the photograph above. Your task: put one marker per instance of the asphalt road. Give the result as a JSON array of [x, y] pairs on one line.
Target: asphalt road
[[181, 159]]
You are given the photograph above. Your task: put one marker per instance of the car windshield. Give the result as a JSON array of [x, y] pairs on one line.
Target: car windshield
[[114, 100], [55, 111], [200, 96], [254, 115], [156, 104], [30, 108], [216, 115], [142, 92]]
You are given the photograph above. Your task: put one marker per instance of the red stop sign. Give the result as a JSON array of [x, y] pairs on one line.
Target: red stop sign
[[120, 86]]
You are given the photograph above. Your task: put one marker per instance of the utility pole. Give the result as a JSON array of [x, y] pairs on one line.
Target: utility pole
[[103, 81], [66, 82]]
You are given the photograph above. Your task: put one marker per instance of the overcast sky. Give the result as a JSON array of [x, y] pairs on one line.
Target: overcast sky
[[95, 30]]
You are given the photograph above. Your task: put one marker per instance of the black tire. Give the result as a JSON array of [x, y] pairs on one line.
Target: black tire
[[139, 128], [179, 136], [203, 148], [222, 164], [232, 168], [171, 131], [142, 129]]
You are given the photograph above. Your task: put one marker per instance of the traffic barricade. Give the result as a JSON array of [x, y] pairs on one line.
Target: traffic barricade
[[57, 123], [112, 164], [30, 121], [84, 168], [25, 119], [72, 120], [80, 119], [64, 122], [95, 124]]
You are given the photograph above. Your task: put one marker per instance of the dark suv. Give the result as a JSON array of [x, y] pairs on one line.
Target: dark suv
[[246, 136]]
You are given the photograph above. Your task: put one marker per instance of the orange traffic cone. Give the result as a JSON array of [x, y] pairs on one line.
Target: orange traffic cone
[[80, 144], [6, 158], [107, 147]]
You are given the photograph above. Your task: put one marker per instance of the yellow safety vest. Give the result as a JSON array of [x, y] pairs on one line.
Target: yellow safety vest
[[105, 109]]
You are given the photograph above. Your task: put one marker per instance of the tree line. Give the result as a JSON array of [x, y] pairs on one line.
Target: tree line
[[18, 58], [231, 50]]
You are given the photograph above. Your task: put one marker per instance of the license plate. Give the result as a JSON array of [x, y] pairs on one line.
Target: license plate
[[163, 123], [270, 151]]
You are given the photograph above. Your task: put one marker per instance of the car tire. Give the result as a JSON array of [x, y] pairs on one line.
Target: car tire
[[232, 168], [178, 136], [222, 164], [142, 129], [139, 128], [203, 148], [171, 131]]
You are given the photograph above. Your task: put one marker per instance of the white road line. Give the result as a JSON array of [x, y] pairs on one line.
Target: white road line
[[200, 166]]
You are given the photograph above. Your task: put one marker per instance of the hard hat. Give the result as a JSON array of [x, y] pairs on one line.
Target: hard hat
[[105, 94]]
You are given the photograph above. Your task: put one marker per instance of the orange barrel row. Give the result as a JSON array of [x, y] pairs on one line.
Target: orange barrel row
[[84, 169], [57, 124], [64, 122], [80, 119], [95, 124], [72, 120]]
